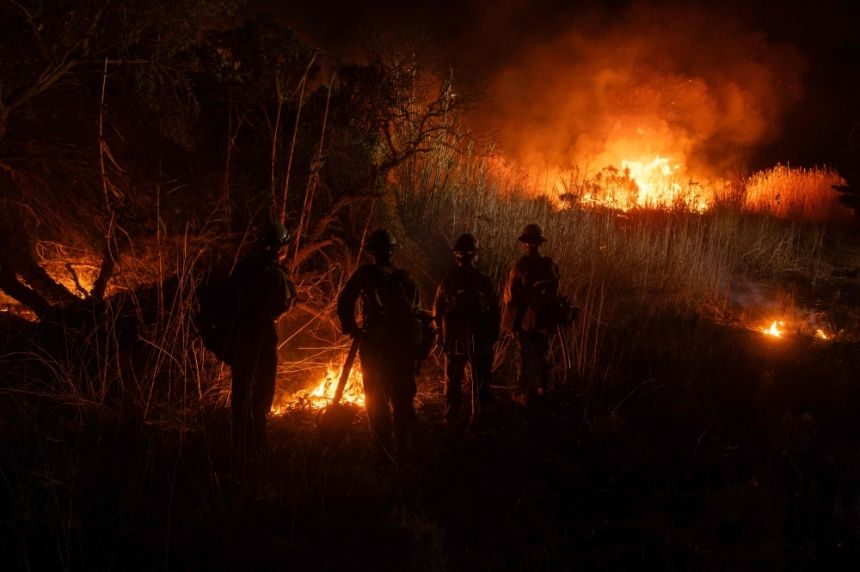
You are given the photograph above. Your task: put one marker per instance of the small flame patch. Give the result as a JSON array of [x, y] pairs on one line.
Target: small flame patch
[[776, 329], [321, 393]]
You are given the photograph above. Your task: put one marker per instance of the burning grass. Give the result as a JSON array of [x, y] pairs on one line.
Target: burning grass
[[800, 194], [780, 329], [797, 194], [320, 391], [776, 329]]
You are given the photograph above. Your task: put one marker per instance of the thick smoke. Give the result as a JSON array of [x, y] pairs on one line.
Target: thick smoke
[[693, 84]]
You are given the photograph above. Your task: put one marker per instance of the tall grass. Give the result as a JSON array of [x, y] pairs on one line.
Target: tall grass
[[620, 267], [797, 194]]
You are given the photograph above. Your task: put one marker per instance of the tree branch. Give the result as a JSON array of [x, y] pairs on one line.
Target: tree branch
[[53, 72], [10, 284]]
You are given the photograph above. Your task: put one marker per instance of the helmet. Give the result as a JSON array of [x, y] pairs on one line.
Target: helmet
[[467, 243], [380, 240], [275, 234], [532, 234]]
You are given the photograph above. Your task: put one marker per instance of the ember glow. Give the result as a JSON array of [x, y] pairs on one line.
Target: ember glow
[[321, 393]]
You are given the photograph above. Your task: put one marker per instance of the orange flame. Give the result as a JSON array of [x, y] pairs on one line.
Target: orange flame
[[650, 181], [775, 329], [322, 392], [655, 183]]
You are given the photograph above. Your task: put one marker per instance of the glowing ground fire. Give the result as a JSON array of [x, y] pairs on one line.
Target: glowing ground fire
[[779, 329], [776, 329], [321, 393]]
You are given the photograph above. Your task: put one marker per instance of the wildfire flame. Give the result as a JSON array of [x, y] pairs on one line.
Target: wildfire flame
[[776, 329], [656, 181], [321, 393], [651, 181]]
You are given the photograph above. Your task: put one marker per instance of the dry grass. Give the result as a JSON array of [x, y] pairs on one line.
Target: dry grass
[[621, 266], [797, 194]]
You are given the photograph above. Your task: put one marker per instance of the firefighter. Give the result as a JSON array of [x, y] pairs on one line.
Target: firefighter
[[264, 291], [390, 335], [466, 310], [530, 301]]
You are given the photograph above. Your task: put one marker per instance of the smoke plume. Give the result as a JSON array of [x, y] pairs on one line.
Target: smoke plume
[[693, 84]]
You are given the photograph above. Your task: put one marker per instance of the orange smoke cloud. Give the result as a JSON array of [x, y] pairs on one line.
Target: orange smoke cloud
[[696, 87]]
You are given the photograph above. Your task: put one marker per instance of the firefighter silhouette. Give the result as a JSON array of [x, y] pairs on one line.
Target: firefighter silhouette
[[529, 312], [466, 309], [264, 292], [390, 337]]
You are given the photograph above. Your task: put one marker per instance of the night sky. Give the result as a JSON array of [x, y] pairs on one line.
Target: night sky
[[806, 110]]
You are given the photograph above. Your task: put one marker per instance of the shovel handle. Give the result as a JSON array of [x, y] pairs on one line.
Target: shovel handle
[[344, 374]]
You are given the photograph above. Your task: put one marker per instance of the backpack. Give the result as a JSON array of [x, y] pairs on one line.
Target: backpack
[[216, 316]]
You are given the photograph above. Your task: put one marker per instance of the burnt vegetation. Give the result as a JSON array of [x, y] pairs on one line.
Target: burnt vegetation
[[141, 145]]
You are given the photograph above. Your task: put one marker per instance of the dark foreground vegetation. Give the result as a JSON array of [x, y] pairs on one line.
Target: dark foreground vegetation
[[141, 145], [719, 450]]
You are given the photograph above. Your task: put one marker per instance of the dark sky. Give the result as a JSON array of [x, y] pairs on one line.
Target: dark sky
[[804, 109]]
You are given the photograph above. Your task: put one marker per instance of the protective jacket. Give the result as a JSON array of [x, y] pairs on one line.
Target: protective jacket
[[466, 309], [264, 293], [531, 295], [390, 302], [390, 336]]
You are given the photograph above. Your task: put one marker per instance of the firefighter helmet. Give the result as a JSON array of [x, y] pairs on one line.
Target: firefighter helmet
[[532, 234], [381, 240], [466, 244], [275, 234]]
